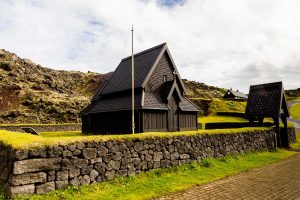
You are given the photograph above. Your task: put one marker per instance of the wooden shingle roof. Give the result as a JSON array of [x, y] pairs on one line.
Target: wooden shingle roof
[[115, 93], [121, 78], [266, 100]]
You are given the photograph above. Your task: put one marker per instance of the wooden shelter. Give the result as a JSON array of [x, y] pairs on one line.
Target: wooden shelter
[[231, 94], [160, 102], [268, 100]]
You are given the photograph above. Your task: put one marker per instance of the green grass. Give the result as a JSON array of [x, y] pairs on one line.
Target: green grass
[[218, 118], [295, 111], [293, 98], [164, 181], [296, 145], [24, 140]]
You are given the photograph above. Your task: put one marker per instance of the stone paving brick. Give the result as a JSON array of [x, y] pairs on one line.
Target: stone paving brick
[[280, 180]]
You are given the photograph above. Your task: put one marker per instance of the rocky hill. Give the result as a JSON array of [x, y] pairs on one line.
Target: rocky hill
[[30, 93]]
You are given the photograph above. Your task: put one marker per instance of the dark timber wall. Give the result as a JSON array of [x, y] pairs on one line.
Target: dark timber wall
[[112, 122]]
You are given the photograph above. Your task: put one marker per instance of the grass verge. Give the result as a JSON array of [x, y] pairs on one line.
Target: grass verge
[[163, 181], [24, 140], [295, 111]]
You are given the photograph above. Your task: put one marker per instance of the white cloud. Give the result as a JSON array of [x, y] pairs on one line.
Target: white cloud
[[230, 43]]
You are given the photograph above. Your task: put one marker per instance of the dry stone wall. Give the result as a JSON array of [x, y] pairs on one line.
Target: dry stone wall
[[43, 128], [45, 169]]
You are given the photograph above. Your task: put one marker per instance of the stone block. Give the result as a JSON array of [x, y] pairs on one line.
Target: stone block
[[138, 146], [21, 154], [174, 156], [24, 189], [102, 151], [62, 175], [113, 165], [122, 172], [74, 181], [80, 145], [38, 152], [86, 170], [117, 156], [72, 147], [74, 172], [46, 187], [89, 153], [76, 152], [35, 165], [95, 160], [84, 180], [110, 175], [61, 184], [100, 167], [184, 156], [67, 154], [93, 175], [157, 156], [165, 163], [51, 176], [28, 178]]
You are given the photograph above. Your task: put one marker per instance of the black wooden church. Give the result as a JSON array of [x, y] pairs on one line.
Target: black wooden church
[[160, 102]]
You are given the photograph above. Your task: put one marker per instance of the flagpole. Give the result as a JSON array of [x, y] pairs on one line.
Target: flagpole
[[132, 79]]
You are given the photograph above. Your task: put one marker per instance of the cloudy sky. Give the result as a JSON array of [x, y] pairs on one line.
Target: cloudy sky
[[232, 43]]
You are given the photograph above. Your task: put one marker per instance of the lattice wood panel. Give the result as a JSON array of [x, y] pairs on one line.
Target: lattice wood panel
[[264, 100]]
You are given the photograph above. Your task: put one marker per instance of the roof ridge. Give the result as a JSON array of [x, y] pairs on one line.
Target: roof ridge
[[145, 51]]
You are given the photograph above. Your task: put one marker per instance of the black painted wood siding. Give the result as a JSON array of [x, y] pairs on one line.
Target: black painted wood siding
[[155, 120]]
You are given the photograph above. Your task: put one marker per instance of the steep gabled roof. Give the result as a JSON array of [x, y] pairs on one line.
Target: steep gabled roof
[[115, 94], [238, 94], [145, 63], [266, 100]]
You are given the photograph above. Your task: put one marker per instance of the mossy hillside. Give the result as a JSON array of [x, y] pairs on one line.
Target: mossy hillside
[[221, 105], [24, 140]]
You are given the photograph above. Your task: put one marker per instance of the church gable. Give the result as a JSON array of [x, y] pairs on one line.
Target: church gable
[[162, 73]]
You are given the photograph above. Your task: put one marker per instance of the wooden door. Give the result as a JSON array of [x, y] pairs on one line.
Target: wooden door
[[173, 114]]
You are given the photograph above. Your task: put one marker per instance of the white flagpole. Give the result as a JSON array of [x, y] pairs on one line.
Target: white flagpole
[[132, 79]]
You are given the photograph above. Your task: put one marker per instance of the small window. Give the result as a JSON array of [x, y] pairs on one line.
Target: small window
[[165, 78]]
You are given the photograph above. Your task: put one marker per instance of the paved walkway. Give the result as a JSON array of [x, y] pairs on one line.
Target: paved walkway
[[276, 181]]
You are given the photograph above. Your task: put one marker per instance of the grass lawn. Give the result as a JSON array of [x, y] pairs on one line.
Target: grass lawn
[[163, 181], [295, 111], [24, 140], [296, 145], [218, 118], [293, 98]]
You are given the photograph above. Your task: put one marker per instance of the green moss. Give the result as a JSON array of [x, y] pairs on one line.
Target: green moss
[[24, 140], [160, 182]]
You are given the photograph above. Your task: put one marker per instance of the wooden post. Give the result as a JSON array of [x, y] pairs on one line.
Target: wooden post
[[132, 80], [277, 130], [286, 136]]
